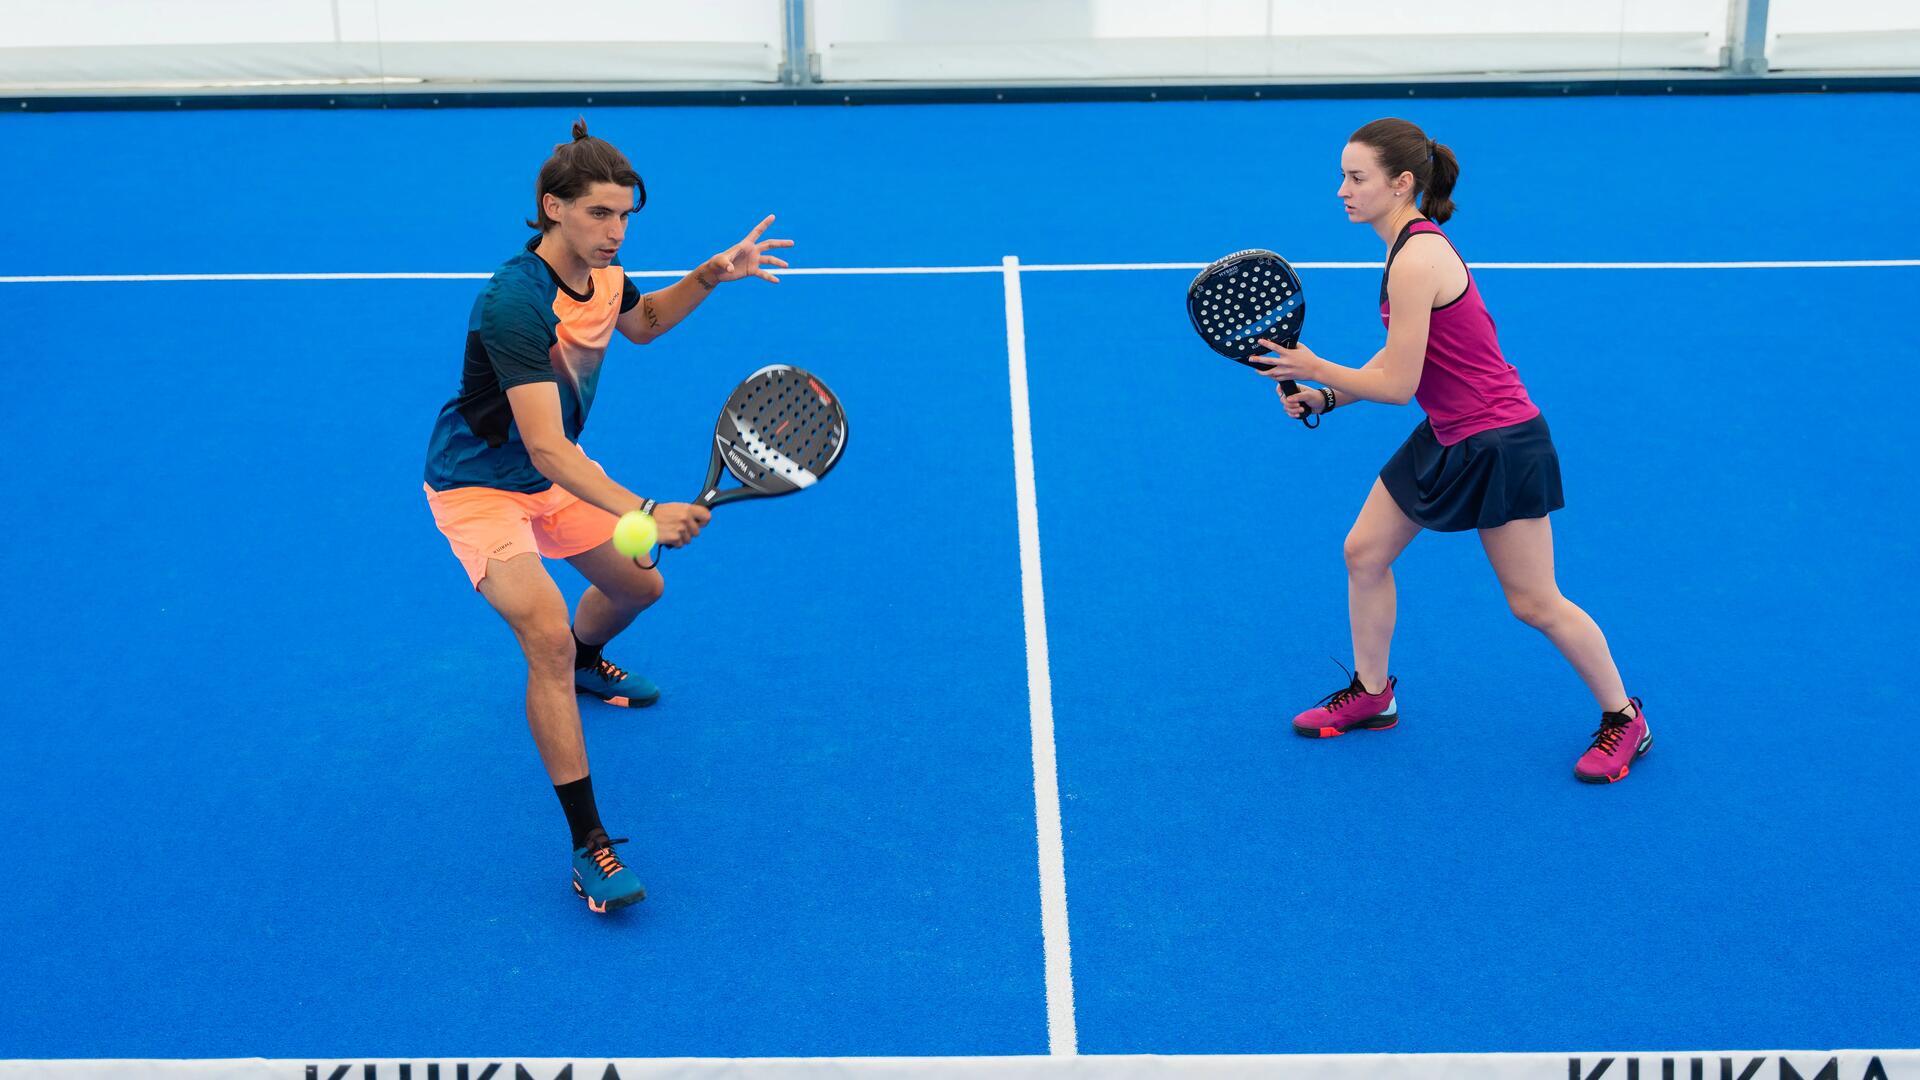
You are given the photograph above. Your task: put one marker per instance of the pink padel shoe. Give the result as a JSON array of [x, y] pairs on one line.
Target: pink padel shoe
[[1619, 742], [1345, 710]]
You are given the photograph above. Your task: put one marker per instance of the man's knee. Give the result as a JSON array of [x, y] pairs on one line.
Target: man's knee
[[645, 590], [548, 643], [632, 593]]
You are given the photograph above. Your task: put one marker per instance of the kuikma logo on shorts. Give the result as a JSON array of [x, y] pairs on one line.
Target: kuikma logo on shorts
[[1721, 1068]]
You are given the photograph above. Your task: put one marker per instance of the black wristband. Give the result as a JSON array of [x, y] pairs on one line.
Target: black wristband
[[1327, 392], [647, 507]]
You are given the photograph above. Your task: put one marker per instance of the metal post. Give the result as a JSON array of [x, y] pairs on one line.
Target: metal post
[[1746, 50], [798, 67]]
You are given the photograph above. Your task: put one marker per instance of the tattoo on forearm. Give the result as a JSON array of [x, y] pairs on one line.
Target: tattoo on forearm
[[704, 283], [646, 308]]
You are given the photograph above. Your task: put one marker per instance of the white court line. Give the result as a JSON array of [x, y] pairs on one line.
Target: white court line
[[1061, 1037], [88, 279], [820, 271], [1827, 264], [1803, 264]]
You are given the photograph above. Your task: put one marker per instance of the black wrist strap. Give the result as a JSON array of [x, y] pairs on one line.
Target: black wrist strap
[[647, 507]]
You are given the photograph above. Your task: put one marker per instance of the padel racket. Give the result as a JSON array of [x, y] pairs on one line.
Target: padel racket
[[1244, 297], [780, 431]]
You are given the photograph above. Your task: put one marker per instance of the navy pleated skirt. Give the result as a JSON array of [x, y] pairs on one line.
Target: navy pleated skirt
[[1480, 482]]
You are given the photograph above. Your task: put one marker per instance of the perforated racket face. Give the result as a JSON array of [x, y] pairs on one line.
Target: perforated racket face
[[1244, 297], [781, 431]]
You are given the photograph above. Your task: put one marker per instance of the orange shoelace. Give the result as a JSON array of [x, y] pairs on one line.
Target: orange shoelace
[[606, 860], [1607, 739]]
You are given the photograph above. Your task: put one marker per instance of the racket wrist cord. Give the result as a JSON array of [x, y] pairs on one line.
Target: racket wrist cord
[[646, 507]]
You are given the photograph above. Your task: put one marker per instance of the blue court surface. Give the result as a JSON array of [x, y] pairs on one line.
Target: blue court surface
[[264, 770]]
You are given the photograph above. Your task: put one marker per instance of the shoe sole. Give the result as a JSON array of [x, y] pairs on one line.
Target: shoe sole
[[1372, 724], [614, 904], [1624, 769], [623, 702]]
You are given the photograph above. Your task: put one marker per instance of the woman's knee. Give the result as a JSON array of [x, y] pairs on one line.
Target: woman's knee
[[1366, 555], [1536, 609]]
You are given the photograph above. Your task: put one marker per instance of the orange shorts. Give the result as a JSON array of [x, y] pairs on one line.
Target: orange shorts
[[488, 523]]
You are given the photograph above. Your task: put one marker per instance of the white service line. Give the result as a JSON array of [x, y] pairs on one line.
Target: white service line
[[884, 271], [890, 270], [1805, 264], [88, 279], [819, 271], [1062, 1039], [1826, 264]]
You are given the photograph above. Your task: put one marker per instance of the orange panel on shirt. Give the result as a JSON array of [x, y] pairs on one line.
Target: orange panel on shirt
[[586, 326]]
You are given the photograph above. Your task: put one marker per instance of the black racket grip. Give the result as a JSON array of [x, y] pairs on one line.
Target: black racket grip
[[1290, 388]]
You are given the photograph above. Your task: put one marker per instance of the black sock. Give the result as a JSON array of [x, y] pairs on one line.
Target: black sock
[[584, 655], [583, 817]]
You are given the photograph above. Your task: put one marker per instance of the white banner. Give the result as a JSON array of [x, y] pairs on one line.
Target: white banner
[[1682, 1065], [137, 44], [356, 63], [1846, 50], [1319, 56], [1197, 39]]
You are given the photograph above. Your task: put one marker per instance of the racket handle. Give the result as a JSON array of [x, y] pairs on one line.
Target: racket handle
[[1290, 388]]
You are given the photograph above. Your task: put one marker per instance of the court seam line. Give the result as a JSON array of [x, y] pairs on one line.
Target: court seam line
[[827, 271], [1062, 1038]]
